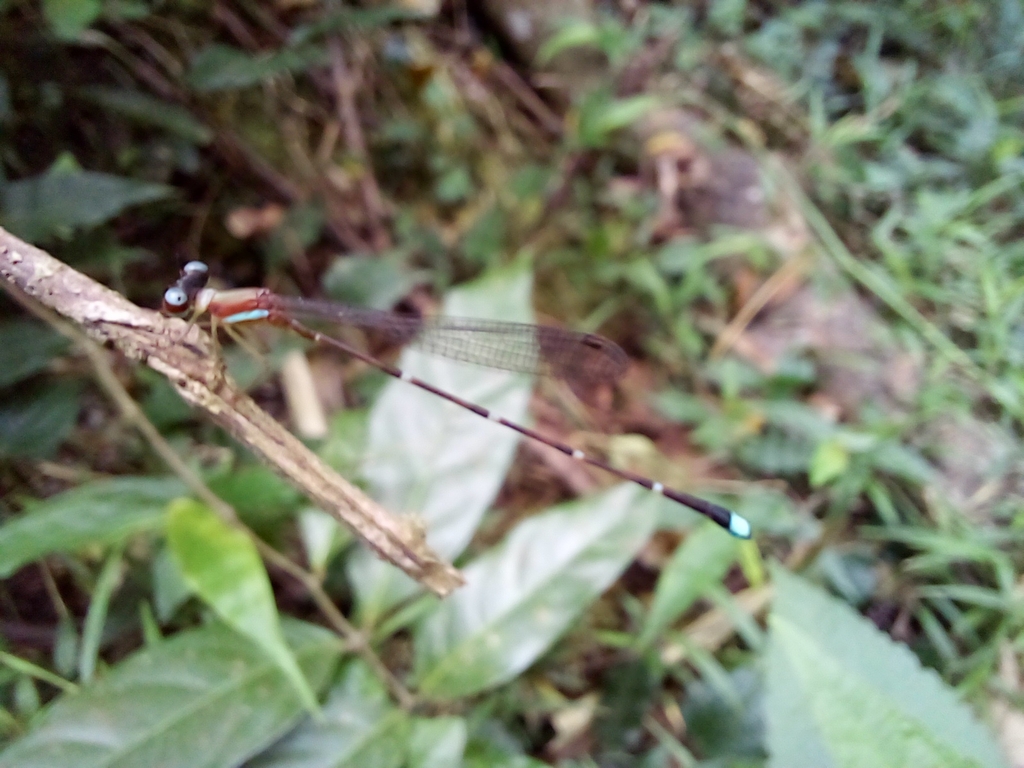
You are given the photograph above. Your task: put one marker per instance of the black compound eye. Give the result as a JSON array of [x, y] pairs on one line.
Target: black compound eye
[[175, 301]]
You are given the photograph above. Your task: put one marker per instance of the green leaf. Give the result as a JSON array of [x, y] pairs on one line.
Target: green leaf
[[484, 241], [69, 18], [702, 561], [26, 347], [221, 67], [573, 35], [322, 537], [378, 281], [259, 496], [146, 110], [222, 566], [903, 462], [454, 185], [521, 596], [92, 631], [430, 457], [169, 588], [56, 203], [829, 461], [842, 693], [360, 728], [354, 20], [34, 423], [600, 116], [199, 699], [437, 742], [101, 512]]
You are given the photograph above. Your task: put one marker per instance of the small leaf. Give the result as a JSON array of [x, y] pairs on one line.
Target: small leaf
[[69, 18], [57, 203], [829, 461], [601, 116], [92, 632], [200, 698], [574, 35], [146, 110], [354, 20], [903, 462], [703, 560], [322, 537], [360, 728], [34, 424], [221, 67], [222, 566], [454, 185], [26, 347], [102, 512], [524, 594], [842, 693], [431, 457], [169, 588], [485, 239]]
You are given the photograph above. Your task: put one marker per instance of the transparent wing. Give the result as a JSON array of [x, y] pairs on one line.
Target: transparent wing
[[578, 358]]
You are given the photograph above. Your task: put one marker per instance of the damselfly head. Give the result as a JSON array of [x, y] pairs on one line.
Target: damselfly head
[[176, 301]]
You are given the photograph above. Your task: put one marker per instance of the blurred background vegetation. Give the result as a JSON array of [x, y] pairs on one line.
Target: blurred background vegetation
[[803, 222]]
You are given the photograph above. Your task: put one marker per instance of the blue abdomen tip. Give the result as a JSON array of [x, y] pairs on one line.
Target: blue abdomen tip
[[739, 526]]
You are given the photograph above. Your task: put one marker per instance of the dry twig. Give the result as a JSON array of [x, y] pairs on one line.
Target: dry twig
[[183, 355]]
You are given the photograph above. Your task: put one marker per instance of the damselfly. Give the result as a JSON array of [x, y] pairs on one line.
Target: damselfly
[[521, 347]]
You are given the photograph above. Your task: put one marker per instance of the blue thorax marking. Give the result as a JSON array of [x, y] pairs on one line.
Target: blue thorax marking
[[244, 317]]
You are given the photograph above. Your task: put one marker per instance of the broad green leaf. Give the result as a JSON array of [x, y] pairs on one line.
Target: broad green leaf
[[360, 728], [702, 560], [842, 693], [69, 18], [146, 110], [101, 512], [437, 742], [35, 422], [431, 458], [521, 596], [221, 67], [724, 724], [221, 565], [26, 347], [56, 203], [829, 461], [201, 699]]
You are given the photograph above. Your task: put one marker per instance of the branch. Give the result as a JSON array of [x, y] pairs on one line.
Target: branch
[[184, 355]]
